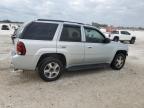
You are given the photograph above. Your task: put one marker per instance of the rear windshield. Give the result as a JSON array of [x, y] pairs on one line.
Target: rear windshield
[[115, 32], [39, 31]]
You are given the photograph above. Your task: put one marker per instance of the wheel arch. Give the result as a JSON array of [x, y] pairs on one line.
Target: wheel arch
[[122, 51], [60, 56], [116, 37], [125, 52], [133, 37]]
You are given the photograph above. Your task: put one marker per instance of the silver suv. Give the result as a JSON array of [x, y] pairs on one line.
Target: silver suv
[[52, 46]]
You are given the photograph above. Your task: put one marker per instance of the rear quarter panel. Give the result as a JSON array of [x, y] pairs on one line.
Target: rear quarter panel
[[36, 48]]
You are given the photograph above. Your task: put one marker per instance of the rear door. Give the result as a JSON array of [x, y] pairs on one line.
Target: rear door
[[70, 43]]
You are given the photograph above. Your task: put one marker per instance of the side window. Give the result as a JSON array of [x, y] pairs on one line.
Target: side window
[[5, 27], [39, 31], [115, 32], [123, 32], [127, 33], [71, 33], [93, 36]]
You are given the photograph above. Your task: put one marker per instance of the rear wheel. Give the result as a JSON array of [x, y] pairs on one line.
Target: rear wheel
[[50, 69], [132, 41], [118, 61], [116, 39]]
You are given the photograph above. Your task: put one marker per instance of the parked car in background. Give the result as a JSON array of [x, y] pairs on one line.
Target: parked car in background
[[107, 34], [6, 29], [51, 46], [122, 35]]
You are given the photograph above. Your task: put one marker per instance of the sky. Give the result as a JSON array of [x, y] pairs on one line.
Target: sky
[[112, 12]]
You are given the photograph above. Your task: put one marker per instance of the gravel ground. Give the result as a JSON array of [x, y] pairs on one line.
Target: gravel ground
[[99, 88]]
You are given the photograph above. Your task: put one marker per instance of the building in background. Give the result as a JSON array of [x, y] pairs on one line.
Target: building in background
[[110, 29]]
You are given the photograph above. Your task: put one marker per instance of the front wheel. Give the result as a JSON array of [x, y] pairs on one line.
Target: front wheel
[[50, 69], [132, 41], [118, 61]]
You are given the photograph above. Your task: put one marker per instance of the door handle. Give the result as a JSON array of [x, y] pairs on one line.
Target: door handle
[[89, 46], [63, 46]]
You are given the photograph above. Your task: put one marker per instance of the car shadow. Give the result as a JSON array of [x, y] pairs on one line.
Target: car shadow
[[84, 72], [22, 77]]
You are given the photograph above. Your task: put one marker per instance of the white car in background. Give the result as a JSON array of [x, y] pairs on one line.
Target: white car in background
[[6, 29], [107, 34], [122, 35]]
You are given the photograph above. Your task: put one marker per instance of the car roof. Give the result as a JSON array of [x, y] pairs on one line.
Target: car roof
[[59, 21], [64, 22]]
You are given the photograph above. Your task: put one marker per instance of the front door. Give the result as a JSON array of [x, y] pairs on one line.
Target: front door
[[125, 35], [96, 51]]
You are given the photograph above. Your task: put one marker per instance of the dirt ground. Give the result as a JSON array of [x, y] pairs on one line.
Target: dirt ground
[[99, 88]]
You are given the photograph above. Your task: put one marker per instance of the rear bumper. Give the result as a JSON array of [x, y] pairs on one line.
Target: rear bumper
[[22, 62]]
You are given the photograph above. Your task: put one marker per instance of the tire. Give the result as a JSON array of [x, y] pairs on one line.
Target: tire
[[116, 39], [132, 41], [50, 69], [118, 61]]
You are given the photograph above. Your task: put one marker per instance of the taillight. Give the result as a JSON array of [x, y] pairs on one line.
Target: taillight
[[21, 50]]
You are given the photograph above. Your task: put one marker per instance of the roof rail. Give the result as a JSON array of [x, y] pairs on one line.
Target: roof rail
[[58, 21]]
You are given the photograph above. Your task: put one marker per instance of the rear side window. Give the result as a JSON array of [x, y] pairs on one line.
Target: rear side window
[[39, 31], [71, 33], [115, 32], [125, 32]]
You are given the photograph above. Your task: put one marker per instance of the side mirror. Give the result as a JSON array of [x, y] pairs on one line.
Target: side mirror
[[107, 40]]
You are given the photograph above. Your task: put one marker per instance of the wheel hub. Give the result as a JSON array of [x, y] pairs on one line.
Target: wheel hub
[[51, 70], [119, 61]]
